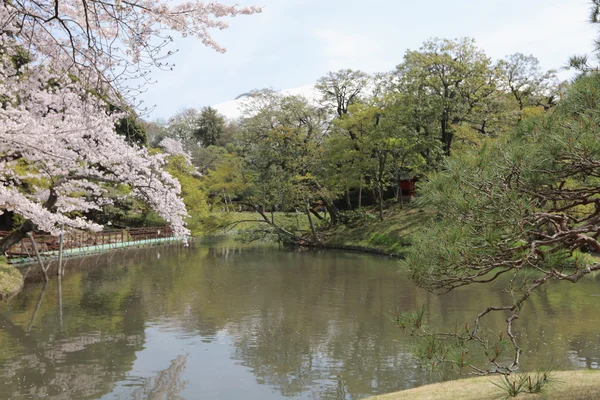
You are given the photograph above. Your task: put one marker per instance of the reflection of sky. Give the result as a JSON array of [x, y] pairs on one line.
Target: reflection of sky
[[209, 372], [259, 323]]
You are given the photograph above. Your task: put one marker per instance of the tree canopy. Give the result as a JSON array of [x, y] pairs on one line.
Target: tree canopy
[[527, 207]]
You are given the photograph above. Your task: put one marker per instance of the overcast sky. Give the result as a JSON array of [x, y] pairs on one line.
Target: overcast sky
[[294, 42]]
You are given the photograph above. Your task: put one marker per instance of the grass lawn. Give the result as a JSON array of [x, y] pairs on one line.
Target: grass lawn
[[567, 385]]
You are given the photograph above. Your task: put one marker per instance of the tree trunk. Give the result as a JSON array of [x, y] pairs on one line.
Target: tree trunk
[[380, 201], [312, 226], [400, 198], [446, 134], [225, 199], [263, 199], [372, 197], [334, 213], [316, 214], [360, 194], [39, 258], [15, 236], [348, 202]]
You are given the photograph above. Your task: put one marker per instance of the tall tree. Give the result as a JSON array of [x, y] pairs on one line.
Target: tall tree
[[341, 89], [530, 87], [183, 125], [281, 145], [447, 79], [210, 127]]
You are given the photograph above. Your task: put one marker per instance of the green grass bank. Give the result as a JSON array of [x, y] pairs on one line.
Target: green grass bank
[[390, 236], [11, 280], [363, 231]]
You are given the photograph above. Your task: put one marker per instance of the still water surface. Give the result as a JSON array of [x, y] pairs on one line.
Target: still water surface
[[221, 320]]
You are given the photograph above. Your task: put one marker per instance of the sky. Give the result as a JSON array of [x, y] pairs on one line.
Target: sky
[[294, 42]]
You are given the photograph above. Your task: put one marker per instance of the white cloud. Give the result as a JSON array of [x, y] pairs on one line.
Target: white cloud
[[342, 49], [552, 34]]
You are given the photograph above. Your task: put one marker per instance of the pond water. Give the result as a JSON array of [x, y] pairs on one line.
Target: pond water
[[221, 320]]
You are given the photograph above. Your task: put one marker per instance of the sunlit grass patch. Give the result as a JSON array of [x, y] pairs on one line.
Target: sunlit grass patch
[[11, 280], [569, 385]]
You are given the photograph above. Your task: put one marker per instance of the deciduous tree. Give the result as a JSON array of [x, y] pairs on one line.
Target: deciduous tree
[[447, 80]]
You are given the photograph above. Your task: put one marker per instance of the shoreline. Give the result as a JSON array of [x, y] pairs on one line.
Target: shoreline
[[12, 280], [564, 385], [350, 248], [14, 276]]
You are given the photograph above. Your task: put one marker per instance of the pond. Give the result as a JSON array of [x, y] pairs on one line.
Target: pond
[[221, 320]]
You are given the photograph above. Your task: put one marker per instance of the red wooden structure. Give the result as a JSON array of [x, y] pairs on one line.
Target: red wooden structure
[[407, 187]]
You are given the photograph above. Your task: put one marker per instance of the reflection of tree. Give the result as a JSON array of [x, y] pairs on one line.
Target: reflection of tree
[[166, 385], [317, 325], [60, 352], [296, 320]]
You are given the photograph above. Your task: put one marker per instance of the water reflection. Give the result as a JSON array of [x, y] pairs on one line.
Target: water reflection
[[227, 321], [167, 384]]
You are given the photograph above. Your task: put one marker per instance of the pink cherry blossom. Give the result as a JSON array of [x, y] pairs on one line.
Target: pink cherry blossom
[[59, 152]]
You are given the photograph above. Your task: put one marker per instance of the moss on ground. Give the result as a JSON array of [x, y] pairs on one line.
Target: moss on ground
[[567, 385], [11, 280]]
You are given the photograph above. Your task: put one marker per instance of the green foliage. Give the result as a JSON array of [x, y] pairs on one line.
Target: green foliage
[[210, 127], [518, 206], [529, 86], [343, 88], [384, 240], [281, 152], [225, 181], [512, 385], [540, 381], [412, 319], [393, 235], [191, 191], [133, 130], [515, 384], [450, 83]]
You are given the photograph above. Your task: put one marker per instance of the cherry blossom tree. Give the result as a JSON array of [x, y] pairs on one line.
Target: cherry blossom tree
[[111, 42], [175, 147], [59, 152]]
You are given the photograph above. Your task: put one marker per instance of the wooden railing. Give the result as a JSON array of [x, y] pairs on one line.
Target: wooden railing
[[81, 239]]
